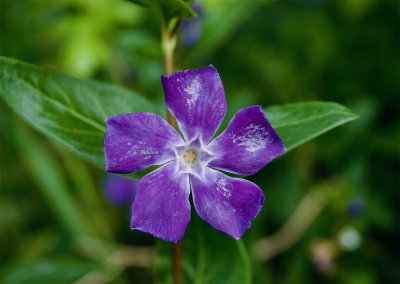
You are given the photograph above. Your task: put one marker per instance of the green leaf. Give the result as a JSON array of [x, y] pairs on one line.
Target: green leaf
[[71, 111], [143, 3], [298, 123], [209, 256], [170, 8], [177, 9], [47, 173], [49, 271]]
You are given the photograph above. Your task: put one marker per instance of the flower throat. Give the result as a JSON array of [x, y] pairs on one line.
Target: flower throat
[[190, 156]]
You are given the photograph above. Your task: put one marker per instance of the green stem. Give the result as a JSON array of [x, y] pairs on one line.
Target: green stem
[[168, 44], [246, 260]]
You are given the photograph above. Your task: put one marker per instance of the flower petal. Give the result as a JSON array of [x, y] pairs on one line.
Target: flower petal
[[161, 206], [247, 144], [197, 100], [228, 204], [135, 141]]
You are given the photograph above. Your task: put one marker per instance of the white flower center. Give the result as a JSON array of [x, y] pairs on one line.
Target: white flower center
[[190, 156]]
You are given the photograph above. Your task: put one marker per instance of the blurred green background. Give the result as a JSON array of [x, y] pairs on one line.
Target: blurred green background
[[339, 191]]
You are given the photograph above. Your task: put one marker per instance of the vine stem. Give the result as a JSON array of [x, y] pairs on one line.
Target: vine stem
[[168, 44], [176, 262]]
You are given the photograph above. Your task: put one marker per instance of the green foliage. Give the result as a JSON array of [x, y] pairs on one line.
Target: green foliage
[[169, 8], [71, 111], [54, 271], [209, 256], [47, 173], [221, 22], [207, 261], [299, 122]]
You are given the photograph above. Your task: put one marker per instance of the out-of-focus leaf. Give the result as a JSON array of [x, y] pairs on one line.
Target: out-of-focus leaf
[[209, 256], [71, 111], [55, 271], [177, 9], [144, 3], [47, 174], [222, 19], [170, 8], [299, 122], [84, 44]]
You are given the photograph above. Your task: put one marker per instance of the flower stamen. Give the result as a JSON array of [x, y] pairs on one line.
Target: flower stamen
[[190, 156]]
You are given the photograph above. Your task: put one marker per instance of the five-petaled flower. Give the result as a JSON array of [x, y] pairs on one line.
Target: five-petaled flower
[[135, 141]]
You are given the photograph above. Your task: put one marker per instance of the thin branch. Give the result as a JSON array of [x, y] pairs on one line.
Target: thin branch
[[301, 219], [176, 262], [168, 44]]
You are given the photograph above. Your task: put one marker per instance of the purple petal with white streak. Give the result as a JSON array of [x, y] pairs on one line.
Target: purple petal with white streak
[[228, 204], [247, 144], [197, 100], [161, 206], [135, 141]]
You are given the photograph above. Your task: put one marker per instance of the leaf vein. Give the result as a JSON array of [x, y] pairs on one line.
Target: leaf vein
[[68, 109]]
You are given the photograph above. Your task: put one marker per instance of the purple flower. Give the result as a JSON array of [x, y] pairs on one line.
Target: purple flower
[[135, 141], [119, 191], [191, 29], [357, 206]]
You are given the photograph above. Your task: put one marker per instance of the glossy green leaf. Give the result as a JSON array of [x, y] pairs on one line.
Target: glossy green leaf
[[298, 123], [170, 8], [71, 111], [209, 256]]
